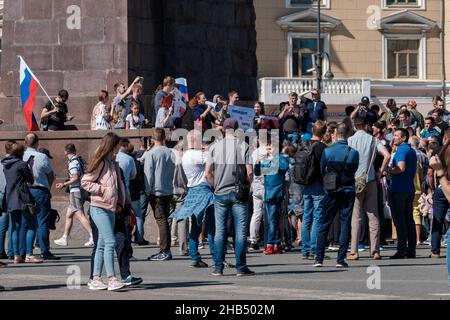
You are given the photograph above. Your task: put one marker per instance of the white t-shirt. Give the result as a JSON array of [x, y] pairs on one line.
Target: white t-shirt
[[135, 122], [162, 113], [193, 163]]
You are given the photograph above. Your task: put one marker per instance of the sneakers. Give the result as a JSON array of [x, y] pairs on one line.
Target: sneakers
[[97, 285], [131, 281], [18, 259], [90, 243], [217, 273], [33, 259], [398, 256], [228, 265], [61, 241], [161, 256], [115, 284], [308, 256], [318, 264], [353, 257], [143, 243], [49, 256], [245, 272], [361, 247], [278, 249], [333, 248], [253, 247], [201, 245], [199, 264], [342, 265], [269, 250]]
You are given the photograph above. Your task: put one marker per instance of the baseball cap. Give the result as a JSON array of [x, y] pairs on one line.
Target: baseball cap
[[230, 123], [365, 101], [46, 152]]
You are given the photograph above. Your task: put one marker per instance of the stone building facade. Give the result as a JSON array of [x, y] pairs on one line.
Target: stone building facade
[[87, 45]]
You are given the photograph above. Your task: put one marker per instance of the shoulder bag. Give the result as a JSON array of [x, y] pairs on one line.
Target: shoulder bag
[[331, 180], [361, 181]]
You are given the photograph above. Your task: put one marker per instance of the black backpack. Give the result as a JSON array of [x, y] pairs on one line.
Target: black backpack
[[304, 163]]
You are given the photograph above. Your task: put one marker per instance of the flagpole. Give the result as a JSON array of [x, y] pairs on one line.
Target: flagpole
[[40, 85]]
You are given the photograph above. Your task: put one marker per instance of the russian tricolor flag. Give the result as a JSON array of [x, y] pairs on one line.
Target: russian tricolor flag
[[182, 86], [28, 92]]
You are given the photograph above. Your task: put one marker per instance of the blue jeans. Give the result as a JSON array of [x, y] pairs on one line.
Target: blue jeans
[[5, 224], [341, 201], [313, 196], [272, 213], [42, 198], [402, 214], [140, 210], [195, 233], [440, 207], [104, 220], [224, 205], [23, 229]]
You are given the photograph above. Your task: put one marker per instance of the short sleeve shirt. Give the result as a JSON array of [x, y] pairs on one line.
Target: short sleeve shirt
[[122, 109], [363, 143], [56, 121], [41, 167], [222, 155], [404, 182], [135, 121], [74, 169]]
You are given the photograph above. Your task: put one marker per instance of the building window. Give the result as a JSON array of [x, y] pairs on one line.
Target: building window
[[302, 56], [405, 58], [302, 47], [307, 3], [395, 4]]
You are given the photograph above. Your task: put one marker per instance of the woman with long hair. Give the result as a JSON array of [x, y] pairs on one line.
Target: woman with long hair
[[103, 181], [101, 114], [202, 111]]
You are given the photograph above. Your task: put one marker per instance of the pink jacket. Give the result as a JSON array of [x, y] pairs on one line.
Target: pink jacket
[[105, 185]]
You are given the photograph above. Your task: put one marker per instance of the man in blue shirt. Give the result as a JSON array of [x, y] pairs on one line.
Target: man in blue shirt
[[317, 109], [401, 195], [343, 160], [40, 190]]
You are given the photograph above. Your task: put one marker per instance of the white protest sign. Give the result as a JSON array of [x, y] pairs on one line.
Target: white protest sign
[[243, 115], [179, 104]]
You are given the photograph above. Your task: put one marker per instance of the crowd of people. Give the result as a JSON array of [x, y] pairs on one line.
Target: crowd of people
[[380, 175]]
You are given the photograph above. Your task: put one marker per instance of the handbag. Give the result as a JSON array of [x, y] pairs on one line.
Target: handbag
[[53, 219], [361, 181], [241, 185], [331, 180]]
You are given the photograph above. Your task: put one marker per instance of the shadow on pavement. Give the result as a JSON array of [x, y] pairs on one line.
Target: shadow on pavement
[[188, 284]]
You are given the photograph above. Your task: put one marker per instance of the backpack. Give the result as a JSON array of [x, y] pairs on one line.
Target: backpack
[[81, 168], [304, 163], [187, 120]]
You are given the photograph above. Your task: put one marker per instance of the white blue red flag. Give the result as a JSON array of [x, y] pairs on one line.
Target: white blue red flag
[[182, 86], [28, 92]]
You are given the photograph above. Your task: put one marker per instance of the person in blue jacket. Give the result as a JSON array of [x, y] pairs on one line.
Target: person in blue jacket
[[273, 167]]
